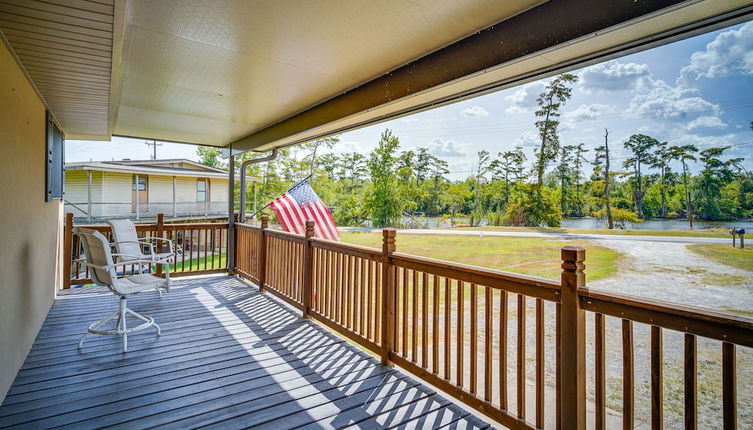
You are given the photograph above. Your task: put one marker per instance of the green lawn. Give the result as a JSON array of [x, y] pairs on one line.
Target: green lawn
[[677, 233], [529, 256], [725, 254], [198, 264]]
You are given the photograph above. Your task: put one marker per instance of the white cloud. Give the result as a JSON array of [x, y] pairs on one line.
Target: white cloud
[[524, 98], [445, 148], [673, 103], [474, 111], [707, 121], [590, 112], [527, 139], [731, 52], [614, 76]]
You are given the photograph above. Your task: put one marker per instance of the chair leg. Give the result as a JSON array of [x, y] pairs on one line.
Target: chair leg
[[112, 316], [124, 329], [145, 319]]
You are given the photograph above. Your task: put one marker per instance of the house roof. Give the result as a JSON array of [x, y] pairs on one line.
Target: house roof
[[258, 75], [148, 167]]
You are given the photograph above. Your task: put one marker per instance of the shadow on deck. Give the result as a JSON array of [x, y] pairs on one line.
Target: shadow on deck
[[229, 357]]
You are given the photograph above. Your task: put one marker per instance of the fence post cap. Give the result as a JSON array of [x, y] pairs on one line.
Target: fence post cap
[[264, 221], [309, 228]]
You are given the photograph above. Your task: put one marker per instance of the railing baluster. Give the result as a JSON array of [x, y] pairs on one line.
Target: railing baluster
[[414, 318], [447, 327], [691, 383], [521, 358], [539, 363], [363, 286], [425, 320], [729, 386], [435, 326], [488, 333], [370, 299], [460, 331], [503, 310], [627, 375], [600, 391], [404, 334], [657, 380], [474, 338]]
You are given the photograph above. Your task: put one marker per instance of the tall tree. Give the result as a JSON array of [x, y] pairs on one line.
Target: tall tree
[[509, 168], [550, 101], [684, 154], [641, 146], [660, 160], [601, 166], [715, 175], [578, 160], [483, 168], [384, 203], [564, 174]]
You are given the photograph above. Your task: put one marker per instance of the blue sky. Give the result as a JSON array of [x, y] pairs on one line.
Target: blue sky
[[697, 91]]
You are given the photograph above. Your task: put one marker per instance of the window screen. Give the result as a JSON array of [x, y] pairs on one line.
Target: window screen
[[201, 190]]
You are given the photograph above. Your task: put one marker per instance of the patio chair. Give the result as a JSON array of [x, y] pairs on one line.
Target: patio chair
[[99, 260], [131, 248]]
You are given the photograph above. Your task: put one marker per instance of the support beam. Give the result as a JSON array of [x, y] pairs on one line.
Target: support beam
[[231, 216], [175, 213], [561, 23], [89, 195]]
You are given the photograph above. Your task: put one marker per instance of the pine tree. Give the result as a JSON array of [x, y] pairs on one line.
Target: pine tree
[[550, 102]]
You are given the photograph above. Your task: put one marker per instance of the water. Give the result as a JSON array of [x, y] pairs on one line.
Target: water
[[595, 223]]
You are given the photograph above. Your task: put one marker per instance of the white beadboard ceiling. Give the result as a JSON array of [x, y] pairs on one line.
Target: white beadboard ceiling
[[213, 71]]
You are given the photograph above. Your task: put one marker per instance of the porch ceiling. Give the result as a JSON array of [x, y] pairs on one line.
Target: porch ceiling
[[263, 74]]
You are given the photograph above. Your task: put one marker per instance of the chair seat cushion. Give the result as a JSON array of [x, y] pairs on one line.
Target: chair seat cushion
[[137, 283]]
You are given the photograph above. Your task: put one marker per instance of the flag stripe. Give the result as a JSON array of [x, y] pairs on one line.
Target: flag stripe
[[301, 203]]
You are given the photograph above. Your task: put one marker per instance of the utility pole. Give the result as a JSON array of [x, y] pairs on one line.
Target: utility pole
[[153, 144]]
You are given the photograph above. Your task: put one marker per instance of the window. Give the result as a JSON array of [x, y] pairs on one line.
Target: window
[[201, 190], [141, 181], [54, 170]]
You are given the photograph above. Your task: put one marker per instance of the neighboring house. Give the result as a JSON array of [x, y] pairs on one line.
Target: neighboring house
[[178, 188]]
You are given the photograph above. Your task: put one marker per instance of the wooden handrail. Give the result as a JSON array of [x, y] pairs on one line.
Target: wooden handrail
[[683, 318]]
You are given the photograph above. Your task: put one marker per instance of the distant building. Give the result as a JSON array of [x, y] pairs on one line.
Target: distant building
[[179, 188]]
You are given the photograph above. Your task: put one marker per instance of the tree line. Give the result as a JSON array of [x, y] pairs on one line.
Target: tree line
[[389, 185]]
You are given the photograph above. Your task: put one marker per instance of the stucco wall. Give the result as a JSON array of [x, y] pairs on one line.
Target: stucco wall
[[30, 229]]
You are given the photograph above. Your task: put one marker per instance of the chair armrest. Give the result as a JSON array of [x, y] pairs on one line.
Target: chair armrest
[[169, 243], [140, 242]]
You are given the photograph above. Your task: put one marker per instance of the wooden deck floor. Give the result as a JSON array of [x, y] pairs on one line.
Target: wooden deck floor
[[228, 357]]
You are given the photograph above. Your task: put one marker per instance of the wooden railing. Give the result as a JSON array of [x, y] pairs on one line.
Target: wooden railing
[[461, 327], [200, 248]]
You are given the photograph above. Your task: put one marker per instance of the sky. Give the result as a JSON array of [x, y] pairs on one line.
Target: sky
[[697, 91]]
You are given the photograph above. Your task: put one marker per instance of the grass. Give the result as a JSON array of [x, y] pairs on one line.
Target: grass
[[198, 264], [718, 232], [529, 256], [726, 254]]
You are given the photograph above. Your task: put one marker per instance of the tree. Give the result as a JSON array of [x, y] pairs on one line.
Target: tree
[[509, 167], [209, 156], [313, 146], [578, 159], [716, 174], [601, 167], [483, 168], [383, 202], [640, 145], [564, 173], [684, 154], [660, 160], [550, 102]]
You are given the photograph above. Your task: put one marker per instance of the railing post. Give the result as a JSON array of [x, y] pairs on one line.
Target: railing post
[[67, 249], [308, 270], [388, 295], [263, 252], [161, 235], [573, 333]]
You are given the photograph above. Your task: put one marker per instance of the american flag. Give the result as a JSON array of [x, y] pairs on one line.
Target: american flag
[[301, 203]]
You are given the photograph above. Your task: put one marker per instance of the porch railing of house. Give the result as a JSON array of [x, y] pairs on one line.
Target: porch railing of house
[[447, 323], [200, 248]]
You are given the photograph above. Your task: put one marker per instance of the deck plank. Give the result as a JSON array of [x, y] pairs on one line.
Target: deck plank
[[229, 357]]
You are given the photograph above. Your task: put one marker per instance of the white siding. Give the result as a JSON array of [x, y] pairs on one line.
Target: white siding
[[116, 194], [76, 192], [160, 189], [218, 190], [185, 189]]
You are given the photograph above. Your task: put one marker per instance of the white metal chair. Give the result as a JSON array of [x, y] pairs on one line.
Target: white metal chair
[[131, 248], [99, 259]]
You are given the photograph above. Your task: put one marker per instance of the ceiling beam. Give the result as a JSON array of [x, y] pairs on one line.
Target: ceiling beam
[[550, 24]]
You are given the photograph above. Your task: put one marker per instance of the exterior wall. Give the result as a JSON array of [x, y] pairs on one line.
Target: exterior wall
[[116, 194], [30, 229], [218, 189], [160, 189], [76, 192]]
